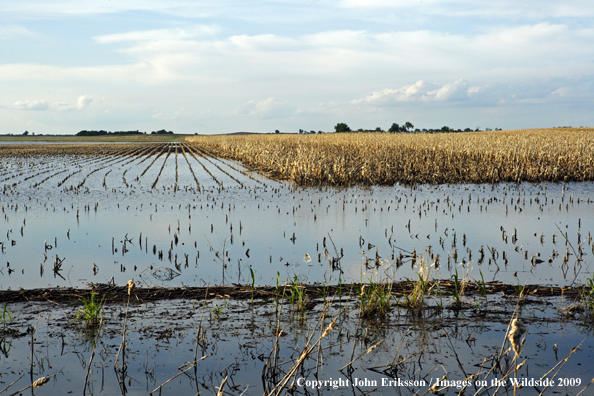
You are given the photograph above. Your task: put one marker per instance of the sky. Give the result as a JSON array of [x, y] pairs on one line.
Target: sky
[[225, 66]]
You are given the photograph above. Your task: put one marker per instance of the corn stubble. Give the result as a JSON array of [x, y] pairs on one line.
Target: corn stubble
[[536, 155]]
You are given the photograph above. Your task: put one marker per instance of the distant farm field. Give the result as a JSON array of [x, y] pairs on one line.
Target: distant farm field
[[535, 155]]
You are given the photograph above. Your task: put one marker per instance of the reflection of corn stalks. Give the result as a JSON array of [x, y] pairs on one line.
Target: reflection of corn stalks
[[516, 332], [58, 266], [270, 373], [502, 376], [5, 346], [165, 274], [374, 262]]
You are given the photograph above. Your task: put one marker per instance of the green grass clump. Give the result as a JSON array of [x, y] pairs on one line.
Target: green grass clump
[[216, 310], [457, 292], [91, 311], [482, 286], [297, 295], [587, 296], [415, 300], [375, 299]]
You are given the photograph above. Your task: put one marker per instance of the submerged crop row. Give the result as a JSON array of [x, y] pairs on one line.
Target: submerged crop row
[[385, 159]]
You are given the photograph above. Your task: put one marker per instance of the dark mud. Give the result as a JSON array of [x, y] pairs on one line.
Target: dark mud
[[119, 294]]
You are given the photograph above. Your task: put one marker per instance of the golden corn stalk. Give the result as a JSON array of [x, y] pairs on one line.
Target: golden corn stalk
[[536, 155]]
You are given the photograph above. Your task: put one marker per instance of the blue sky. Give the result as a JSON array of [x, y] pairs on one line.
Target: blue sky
[[226, 66]]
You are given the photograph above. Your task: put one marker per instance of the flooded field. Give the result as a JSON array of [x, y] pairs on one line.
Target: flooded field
[[164, 214], [168, 340], [171, 215]]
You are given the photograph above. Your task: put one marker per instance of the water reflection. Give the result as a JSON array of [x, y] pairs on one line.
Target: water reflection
[[104, 217]]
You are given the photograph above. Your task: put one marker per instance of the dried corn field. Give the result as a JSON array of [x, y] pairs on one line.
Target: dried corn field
[[535, 155]]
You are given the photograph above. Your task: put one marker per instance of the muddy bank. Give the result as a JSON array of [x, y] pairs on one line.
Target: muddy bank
[[119, 294]]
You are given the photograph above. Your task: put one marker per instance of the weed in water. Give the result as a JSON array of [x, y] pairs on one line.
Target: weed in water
[[587, 296], [91, 311], [482, 286], [375, 299], [416, 298], [216, 310], [297, 295], [277, 291], [339, 290], [253, 282], [456, 293]]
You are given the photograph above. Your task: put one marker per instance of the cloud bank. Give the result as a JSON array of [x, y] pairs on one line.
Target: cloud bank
[[289, 65]]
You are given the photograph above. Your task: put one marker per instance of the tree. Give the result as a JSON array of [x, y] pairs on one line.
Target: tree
[[342, 127], [408, 125], [25, 133], [378, 129], [277, 131], [394, 128], [445, 129]]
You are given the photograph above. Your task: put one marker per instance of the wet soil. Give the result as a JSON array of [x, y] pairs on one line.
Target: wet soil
[[119, 294]]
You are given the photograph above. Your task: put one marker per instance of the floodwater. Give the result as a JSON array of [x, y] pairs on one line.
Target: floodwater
[[164, 339], [174, 220], [170, 218]]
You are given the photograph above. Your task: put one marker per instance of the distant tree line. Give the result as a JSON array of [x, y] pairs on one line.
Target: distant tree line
[[309, 132], [407, 127], [137, 132], [102, 132]]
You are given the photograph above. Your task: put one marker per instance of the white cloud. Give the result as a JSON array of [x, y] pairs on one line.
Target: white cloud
[[245, 10], [264, 42], [160, 56], [83, 102], [461, 94], [182, 112], [452, 91], [419, 91], [12, 31], [61, 106], [31, 105], [536, 9], [267, 108], [58, 8], [158, 34]]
